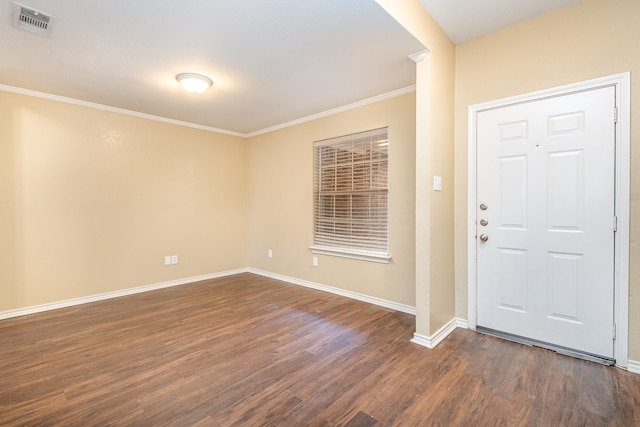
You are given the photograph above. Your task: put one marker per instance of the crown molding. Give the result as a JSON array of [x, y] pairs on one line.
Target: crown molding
[[419, 56], [364, 102], [73, 101], [95, 106]]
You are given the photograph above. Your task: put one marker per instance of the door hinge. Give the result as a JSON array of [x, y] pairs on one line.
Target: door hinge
[[615, 114], [615, 223], [613, 331]]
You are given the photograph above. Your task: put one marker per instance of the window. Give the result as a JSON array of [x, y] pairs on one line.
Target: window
[[351, 196]]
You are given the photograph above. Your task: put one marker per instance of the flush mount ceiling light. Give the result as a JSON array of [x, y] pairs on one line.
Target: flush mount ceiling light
[[194, 83]]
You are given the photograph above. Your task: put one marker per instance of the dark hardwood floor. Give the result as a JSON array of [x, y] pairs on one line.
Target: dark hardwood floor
[[249, 350]]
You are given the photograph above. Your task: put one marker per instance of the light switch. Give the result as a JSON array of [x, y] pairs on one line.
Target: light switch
[[437, 183]]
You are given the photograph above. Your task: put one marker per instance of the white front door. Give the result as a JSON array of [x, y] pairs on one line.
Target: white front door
[[545, 191]]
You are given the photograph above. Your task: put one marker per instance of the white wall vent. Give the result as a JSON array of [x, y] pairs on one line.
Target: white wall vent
[[32, 20]]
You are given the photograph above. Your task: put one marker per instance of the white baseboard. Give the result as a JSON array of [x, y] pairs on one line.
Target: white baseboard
[[99, 297], [442, 333], [633, 366], [337, 291], [115, 294]]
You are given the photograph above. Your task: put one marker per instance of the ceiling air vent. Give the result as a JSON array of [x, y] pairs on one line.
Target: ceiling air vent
[[32, 20]]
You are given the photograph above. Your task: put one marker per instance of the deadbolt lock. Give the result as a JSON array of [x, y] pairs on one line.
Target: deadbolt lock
[[484, 222], [483, 206]]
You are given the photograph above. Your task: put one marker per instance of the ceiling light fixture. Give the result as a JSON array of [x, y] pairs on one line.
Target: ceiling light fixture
[[194, 83]]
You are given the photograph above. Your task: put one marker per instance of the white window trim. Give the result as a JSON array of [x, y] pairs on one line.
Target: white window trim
[[383, 258]]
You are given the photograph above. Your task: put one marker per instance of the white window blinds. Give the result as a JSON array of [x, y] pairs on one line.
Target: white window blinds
[[351, 195]]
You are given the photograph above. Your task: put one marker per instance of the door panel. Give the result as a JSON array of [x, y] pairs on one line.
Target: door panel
[[566, 190], [513, 279], [545, 171], [513, 180]]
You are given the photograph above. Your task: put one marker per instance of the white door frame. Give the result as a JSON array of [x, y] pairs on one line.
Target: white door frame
[[622, 83]]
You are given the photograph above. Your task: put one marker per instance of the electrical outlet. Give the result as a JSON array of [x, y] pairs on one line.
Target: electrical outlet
[[314, 261], [270, 253], [174, 259], [167, 260]]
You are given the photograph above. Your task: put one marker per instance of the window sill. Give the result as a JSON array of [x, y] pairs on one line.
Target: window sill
[[352, 254]]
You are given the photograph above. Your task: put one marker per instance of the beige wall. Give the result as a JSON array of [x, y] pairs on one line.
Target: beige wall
[[281, 204], [434, 285], [589, 39], [92, 201]]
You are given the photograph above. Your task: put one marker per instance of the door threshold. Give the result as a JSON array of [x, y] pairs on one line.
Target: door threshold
[[548, 346]]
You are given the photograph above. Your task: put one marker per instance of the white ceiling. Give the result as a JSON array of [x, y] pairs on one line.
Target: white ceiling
[[464, 20], [272, 62]]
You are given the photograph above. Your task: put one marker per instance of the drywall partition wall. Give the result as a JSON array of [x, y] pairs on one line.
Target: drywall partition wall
[[583, 41], [280, 167], [434, 285], [92, 201]]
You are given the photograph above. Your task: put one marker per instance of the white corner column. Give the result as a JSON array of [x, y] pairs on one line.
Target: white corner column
[[423, 197]]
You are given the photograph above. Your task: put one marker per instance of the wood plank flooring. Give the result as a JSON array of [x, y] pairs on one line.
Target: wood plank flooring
[[249, 350]]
